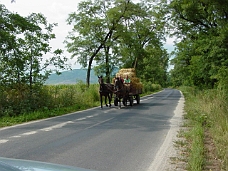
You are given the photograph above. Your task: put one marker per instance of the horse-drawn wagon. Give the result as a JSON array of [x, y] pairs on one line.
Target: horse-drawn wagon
[[127, 92]]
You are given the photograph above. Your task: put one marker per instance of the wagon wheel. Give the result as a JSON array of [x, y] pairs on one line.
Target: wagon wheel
[[124, 101], [131, 100], [138, 98], [116, 101]]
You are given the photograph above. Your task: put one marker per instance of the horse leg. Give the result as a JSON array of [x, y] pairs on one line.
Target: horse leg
[[109, 99], [119, 102], [101, 101], [106, 100], [111, 94]]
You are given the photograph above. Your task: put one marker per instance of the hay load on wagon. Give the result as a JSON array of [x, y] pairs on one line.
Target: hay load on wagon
[[130, 72]]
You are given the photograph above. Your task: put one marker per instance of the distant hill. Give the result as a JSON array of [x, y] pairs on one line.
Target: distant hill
[[71, 77]]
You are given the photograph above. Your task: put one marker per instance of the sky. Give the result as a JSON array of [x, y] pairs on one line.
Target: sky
[[56, 11]]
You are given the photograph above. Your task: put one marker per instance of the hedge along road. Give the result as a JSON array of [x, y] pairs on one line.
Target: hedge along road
[[133, 138]]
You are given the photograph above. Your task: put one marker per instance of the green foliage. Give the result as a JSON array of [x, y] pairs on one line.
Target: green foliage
[[15, 103], [206, 111], [120, 34], [150, 87], [201, 52], [23, 43]]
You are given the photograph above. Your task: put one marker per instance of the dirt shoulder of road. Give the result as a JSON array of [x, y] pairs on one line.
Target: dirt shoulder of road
[[168, 156]]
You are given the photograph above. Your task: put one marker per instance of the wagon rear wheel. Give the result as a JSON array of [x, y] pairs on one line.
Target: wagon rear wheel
[[116, 101], [138, 98], [131, 100], [124, 101]]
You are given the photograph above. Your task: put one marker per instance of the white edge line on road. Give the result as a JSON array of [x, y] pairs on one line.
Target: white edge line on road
[[162, 158]]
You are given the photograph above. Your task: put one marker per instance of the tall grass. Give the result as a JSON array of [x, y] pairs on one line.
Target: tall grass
[[206, 111], [51, 100]]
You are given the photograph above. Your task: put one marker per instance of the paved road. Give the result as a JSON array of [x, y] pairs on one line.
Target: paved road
[[108, 139]]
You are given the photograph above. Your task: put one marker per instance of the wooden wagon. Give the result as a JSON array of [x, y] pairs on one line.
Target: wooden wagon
[[132, 93]]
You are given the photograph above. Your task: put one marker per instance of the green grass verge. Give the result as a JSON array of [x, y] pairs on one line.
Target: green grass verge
[[205, 110]]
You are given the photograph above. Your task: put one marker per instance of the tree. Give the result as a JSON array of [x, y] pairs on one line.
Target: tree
[[23, 43], [95, 23], [204, 24], [113, 32]]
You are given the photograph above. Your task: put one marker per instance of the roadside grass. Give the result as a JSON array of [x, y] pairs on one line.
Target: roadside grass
[[60, 100], [63, 99], [206, 120]]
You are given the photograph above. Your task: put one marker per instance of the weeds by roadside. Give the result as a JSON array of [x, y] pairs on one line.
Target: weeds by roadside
[[206, 136]]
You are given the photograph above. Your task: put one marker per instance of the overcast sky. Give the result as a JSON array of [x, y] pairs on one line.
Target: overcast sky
[[56, 11]]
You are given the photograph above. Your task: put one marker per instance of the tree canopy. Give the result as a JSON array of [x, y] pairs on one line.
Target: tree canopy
[[201, 54], [117, 33], [23, 68]]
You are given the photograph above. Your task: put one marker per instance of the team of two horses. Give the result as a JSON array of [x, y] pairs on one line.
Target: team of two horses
[[107, 90]]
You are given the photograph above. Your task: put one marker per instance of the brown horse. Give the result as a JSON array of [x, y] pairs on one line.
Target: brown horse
[[120, 92], [106, 90]]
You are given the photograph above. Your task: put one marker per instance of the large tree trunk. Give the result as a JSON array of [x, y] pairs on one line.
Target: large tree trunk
[[108, 36], [107, 64], [88, 72], [90, 64]]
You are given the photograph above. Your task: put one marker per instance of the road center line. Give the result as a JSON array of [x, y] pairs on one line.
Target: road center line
[[99, 123], [80, 119], [60, 125], [16, 136], [29, 133], [3, 141], [147, 99], [56, 126]]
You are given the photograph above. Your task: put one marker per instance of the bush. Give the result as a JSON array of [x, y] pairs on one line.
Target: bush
[[149, 87]]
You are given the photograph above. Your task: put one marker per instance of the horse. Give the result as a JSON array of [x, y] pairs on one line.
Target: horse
[[106, 90], [120, 92]]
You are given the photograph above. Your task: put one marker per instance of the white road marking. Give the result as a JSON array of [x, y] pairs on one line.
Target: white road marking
[[147, 98], [99, 123], [16, 136], [80, 119], [56, 126], [29, 133], [60, 125], [3, 141]]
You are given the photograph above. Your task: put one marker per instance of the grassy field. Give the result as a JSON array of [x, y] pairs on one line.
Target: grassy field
[[205, 145]]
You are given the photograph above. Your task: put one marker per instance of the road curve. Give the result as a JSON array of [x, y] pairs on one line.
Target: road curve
[[133, 138]]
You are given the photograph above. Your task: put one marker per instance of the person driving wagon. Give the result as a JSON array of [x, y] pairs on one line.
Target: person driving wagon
[[127, 80]]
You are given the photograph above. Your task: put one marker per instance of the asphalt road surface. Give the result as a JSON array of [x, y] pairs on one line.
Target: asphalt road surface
[[108, 139]]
